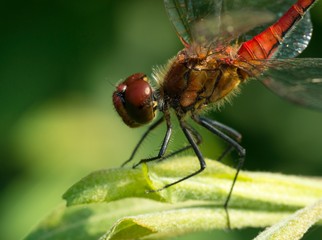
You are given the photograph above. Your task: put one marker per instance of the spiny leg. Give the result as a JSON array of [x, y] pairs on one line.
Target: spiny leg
[[164, 145], [197, 138], [229, 131], [224, 128], [241, 152], [153, 126], [189, 133]]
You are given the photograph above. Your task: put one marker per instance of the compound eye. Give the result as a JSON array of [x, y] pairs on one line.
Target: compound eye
[[133, 100]]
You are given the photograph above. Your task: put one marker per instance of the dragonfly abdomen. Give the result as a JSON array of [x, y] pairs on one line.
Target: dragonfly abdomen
[[265, 44]]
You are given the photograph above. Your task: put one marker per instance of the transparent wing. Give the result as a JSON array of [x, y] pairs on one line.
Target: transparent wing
[[297, 40], [220, 21], [185, 13], [206, 21], [232, 25], [298, 80]]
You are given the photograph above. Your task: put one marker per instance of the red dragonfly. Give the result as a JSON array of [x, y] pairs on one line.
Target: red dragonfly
[[226, 43]]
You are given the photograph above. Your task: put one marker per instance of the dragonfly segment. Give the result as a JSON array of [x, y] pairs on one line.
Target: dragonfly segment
[[264, 45]]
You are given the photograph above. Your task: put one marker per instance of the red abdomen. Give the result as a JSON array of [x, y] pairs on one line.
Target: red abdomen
[[264, 45]]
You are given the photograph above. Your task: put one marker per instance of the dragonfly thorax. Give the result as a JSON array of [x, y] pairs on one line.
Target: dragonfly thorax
[[192, 82]]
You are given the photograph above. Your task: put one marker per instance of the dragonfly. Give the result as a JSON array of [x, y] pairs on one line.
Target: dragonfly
[[226, 43]]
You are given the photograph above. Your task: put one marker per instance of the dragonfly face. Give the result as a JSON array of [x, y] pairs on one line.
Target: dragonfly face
[[224, 46], [133, 100]]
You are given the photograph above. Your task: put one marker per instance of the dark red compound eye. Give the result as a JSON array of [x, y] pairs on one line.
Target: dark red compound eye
[[133, 100]]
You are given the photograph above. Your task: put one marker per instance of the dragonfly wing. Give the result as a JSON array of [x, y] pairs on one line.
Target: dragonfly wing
[[232, 24], [185, 13], [297, 40], [277, 8], [212, 21], [221, 21], [298, 80]]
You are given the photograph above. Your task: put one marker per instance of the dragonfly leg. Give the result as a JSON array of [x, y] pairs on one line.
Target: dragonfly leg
[[229, 131], [206, 123], [189, 132], [163, 148], [228, 150], [197, 138], [153, 126]]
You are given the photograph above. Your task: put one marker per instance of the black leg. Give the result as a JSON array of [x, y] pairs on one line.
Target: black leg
[[163, 148], [241, 151], [224, 128], [189, 132], [196, 136], [153, 126], [225, 153], [229, 131]]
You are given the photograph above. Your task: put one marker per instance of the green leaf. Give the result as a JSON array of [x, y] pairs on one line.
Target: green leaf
[[185, 220], [114, 203], [135, 218], [258, 190], [294, 226]]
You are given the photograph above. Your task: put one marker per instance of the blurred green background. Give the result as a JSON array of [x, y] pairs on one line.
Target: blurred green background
[[59, 62]]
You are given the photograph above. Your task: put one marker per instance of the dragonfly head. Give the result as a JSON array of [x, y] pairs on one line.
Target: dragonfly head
[[133, 100]]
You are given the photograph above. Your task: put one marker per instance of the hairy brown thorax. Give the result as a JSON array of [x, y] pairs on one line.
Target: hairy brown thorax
[[195, 80]]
